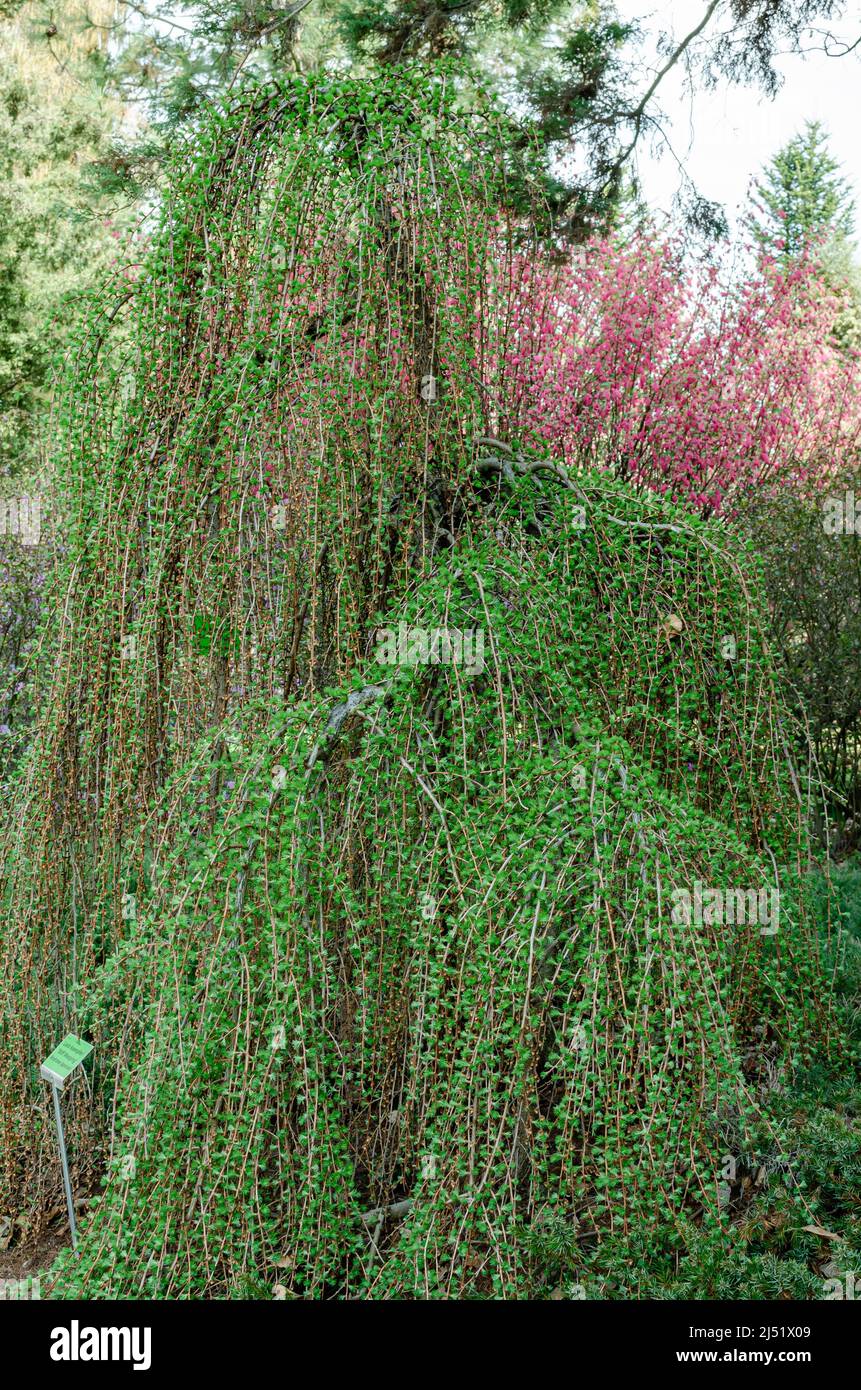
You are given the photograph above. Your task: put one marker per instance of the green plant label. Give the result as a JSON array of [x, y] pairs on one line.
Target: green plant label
[[68, 1055]]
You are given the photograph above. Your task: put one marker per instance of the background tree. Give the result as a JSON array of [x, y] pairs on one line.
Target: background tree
[[813, 581], [802, 206], [801, 200], [569, 71], [803, 214], [57, 237]]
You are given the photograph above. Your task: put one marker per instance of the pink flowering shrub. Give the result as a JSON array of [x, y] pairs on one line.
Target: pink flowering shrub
[[691, 381], [680, 380]]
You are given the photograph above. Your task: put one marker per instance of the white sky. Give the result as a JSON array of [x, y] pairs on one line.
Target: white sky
[[724, 137]]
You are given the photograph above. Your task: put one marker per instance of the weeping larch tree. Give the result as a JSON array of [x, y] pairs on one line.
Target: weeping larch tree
[[381, 954]]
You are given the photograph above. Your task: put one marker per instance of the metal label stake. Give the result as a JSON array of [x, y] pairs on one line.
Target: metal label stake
[[62, 1063]]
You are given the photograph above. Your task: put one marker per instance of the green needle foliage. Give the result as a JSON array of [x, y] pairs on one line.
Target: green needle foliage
[[802, 199], [379, 961]]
